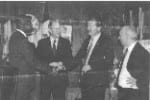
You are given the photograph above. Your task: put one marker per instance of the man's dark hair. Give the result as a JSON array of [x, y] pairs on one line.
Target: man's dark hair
[[52, 21], [98, 21], [22, 20]]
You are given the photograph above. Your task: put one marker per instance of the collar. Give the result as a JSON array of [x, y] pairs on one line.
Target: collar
[[131, 46], [22, 32], [52, 38], [95, 37]]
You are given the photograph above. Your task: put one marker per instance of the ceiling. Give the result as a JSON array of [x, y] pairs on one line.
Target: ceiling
[[77, 10]]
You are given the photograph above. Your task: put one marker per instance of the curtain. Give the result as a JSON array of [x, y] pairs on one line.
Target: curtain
[[7, 35]]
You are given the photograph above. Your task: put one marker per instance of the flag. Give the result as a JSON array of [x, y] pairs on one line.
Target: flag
[[46, 13]]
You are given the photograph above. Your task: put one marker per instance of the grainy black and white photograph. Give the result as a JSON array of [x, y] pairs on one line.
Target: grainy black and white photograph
[[74, 50]]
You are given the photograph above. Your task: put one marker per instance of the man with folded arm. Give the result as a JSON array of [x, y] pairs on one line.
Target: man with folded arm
[[133, 74]]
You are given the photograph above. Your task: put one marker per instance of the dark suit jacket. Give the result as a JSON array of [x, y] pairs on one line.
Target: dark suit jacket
[[21, 53], [46, 55], [138, 67], [101, 60]]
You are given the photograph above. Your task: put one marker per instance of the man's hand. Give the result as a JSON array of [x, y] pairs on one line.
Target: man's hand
[[57, 66], [61, 67], [86, 68]]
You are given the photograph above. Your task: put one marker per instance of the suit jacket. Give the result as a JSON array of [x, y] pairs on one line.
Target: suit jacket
[[45, 54], [21, 53], [138, 67], [101, 60]]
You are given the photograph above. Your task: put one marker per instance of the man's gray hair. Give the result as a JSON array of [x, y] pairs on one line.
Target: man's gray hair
[[131, 31]]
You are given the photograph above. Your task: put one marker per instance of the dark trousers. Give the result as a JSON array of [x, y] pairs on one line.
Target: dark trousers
[[53, 85], [7, 87], [131, 94], [93, 86], [25, 87], [97, 93]]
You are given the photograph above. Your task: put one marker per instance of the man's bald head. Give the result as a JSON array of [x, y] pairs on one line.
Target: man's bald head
[[130, 31], [128, 35]]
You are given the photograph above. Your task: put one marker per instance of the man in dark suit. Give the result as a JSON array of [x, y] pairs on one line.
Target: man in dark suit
[[133, 74], [55, 55], [96, 59], [21, 57]]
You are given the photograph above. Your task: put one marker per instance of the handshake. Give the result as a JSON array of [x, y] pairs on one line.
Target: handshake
[[57, 66]]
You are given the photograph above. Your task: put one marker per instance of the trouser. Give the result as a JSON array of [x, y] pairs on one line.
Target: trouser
[[94, 94], [93, 86], [24, 88], [7, 87], [131, 94], [53, 85]]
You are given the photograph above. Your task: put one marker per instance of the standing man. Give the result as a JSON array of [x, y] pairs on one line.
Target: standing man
[[55, 54], [21, 57], [96, 59], [133, 76]]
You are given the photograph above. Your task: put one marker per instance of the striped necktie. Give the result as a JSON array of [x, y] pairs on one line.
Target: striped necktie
[[121, 63], [88, 52], [54, 47]]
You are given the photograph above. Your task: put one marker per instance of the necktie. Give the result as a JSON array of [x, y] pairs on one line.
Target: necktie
[[88, 51], [89, 46], [121, 63], [54, 46]]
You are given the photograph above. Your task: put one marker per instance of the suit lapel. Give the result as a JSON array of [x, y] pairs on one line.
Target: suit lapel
[[21, 35], [98, 44], [99, 40], [132, 56], [48, 41], [59, 46]]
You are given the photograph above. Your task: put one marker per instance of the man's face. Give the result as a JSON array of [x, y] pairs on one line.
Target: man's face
[[92, 27], [123, 37], [55, 29], [28, 27], [35, 24]]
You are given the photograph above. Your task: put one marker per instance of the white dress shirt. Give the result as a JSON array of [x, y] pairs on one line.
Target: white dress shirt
[[124, 74], [93, 40], [52, 41], [22, 32]]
